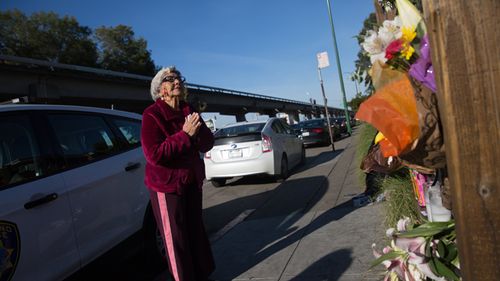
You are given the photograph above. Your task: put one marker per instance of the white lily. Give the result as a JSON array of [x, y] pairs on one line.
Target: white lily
[[375, 47], [409, 15], [372, 43], [393, 27]]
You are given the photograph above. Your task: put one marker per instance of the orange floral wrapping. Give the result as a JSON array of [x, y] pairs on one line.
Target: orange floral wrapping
[[392, 110]]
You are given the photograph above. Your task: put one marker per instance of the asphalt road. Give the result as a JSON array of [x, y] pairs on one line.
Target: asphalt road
[[223, 207]]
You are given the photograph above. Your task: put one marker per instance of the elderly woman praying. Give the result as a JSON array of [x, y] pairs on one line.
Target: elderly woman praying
[[173, 135]]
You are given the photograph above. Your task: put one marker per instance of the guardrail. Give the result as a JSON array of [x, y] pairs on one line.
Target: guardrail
[[240, 93]]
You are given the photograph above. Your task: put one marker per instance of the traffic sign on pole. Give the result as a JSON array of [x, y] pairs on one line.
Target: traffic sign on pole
[[323, 61]]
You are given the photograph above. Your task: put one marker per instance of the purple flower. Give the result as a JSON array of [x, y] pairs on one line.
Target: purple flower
[[422, 69]]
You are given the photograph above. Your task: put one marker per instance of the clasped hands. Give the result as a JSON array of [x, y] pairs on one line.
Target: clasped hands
[[192, 124]]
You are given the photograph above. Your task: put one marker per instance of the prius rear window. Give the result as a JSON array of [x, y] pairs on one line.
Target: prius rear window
[[239, 130]]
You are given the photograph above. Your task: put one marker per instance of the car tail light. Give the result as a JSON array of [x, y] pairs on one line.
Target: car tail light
[[266, 144], [317, 130], [208, 154]]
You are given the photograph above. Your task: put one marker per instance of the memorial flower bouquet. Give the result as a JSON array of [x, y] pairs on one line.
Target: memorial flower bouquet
[[420, 252], [404, 111], [403, 78]]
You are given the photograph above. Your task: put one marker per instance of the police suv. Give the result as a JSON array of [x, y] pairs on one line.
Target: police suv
[[71, 188]]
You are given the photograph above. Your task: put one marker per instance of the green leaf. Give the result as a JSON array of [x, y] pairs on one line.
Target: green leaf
[[421, 29], [432, 265], [422, 232], [441, 248], [428, 249], [389, 256], [452, 252], [428, 229], [443, 270], [437, 224]]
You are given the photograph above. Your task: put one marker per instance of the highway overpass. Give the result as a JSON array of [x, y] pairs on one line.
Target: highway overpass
[[47, 82]]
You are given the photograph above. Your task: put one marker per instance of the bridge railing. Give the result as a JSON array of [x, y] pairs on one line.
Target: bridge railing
[[240, 93]]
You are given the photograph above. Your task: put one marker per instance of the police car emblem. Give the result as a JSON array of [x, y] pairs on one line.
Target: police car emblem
[[9, 249]]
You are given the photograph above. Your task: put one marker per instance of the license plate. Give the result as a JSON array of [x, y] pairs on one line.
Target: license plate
[[235, 153], [305, 134]]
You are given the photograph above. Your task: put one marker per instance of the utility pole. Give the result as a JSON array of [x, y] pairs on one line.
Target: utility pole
[[322, 63], [341, 80], [468, 46]]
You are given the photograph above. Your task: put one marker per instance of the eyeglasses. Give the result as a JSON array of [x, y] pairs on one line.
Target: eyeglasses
[[172, 79]]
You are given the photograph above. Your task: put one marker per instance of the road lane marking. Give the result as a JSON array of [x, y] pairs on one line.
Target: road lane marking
[[230, 225]]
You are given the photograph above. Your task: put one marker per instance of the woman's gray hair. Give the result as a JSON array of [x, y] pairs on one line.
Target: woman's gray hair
[[158, 79]]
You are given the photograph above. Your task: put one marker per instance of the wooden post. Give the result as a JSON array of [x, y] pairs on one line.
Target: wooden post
[[381, 14], [465, 46]]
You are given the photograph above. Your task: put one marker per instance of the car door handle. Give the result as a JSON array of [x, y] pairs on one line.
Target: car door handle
[[132, 166], [44, 200]]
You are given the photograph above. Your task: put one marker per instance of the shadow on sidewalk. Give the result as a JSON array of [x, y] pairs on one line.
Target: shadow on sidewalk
[[273, 227], [329, 267]]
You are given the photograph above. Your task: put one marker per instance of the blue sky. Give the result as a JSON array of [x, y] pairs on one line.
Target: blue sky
[[265, 47]]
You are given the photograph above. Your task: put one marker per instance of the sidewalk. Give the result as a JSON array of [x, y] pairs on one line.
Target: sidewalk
[[315, 234]]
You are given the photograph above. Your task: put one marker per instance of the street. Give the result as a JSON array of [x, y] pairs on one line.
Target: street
[[254, 222], [242, 196]]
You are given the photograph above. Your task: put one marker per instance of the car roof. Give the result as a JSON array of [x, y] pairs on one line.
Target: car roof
[[22, 107], [314, 119], [247, 123]]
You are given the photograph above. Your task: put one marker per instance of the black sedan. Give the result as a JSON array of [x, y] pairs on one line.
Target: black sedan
[[315, 131]]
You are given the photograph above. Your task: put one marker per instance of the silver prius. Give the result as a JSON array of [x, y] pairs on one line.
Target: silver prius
[[249, 148]]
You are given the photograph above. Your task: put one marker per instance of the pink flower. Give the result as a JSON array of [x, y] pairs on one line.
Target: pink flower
[[403, 224], [393, 266], [415, 247], [393, 48]]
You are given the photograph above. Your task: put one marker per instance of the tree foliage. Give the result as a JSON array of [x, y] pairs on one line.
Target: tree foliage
[[46, 36], [121, 51], [363, 64], [355, 102]]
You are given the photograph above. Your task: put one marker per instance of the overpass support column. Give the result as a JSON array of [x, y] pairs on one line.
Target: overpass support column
[[293, 117], [240, 117]]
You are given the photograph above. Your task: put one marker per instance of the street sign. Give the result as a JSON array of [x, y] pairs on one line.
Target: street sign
[[323, 60]]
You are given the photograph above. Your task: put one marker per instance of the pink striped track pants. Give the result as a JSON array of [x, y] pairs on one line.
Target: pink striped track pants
[[179, 218]]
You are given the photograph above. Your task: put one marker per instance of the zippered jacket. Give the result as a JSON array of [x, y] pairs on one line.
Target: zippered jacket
[[173, 159]]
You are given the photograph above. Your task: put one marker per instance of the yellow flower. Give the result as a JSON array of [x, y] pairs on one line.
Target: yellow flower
[[408, 34], [407, 51], [379, 137]]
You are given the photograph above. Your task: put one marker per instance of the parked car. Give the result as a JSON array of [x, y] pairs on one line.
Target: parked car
[[296, 130], [315, 131], [248, 148], [341, 124], [71, 188]]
